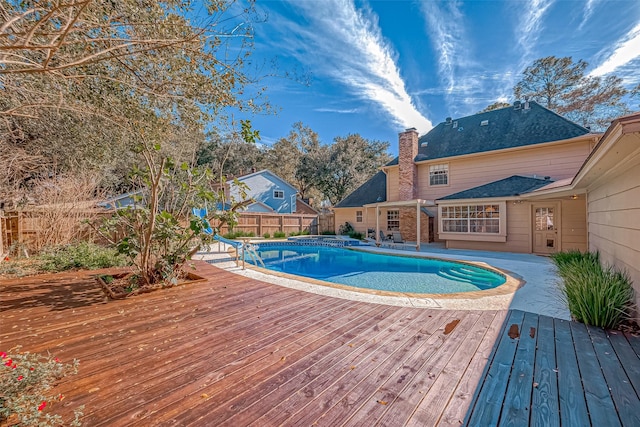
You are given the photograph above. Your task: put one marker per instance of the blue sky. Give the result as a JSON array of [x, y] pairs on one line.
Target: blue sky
[[378, 67]]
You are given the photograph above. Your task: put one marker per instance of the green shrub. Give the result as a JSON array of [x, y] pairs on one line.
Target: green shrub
[[25, 389], [80, 255], [595, 295], [266, 235], [239, 233], [279, 234], [346, 228], [356, 235]]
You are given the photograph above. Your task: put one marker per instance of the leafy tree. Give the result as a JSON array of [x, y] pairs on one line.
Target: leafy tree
[[495, 106], [78, 78], [295, 158], [561, 85], [348, 163], [635, 94], [229, 155]]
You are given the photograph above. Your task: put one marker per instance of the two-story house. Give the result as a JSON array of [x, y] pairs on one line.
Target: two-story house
[[266, 192], [467, 182]]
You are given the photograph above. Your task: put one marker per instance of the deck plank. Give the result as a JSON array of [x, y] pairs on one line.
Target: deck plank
[[627, 356], [456, 409], [432, 406], [573, 404], [334, 406], [404, 405], [236, 351], [599, 403], [219, 388], [634, 342], [624, 396], [517, 400], [488, 403], [282, 411], [545, 408], [233, 354]]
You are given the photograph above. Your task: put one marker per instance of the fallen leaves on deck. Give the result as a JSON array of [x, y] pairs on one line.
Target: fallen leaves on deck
[[451, 326], [514, 332]]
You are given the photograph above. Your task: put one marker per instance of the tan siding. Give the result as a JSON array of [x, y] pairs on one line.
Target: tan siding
[[614, 221], [574, 225], [556, 161], [343, 215], [518, 233], [392, 184]]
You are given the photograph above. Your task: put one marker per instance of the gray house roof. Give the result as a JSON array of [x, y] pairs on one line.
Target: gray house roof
[[496, 130], [507, 187], [372, 191]]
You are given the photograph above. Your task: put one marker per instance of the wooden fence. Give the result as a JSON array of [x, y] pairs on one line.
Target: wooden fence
[[261, 223], [32, 230]]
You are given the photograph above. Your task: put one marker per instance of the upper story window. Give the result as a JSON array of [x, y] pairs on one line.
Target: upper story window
[[278, 194], [358, 216], [439, 174], [393, 220]]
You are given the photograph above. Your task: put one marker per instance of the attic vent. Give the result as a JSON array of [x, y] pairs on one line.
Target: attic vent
[[424, 144], [455, 124], [484, 123]]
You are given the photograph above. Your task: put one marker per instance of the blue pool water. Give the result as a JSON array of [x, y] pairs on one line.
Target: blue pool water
[[376, 271]]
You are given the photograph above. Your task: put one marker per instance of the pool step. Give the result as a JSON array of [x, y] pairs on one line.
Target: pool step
[[462, 274]]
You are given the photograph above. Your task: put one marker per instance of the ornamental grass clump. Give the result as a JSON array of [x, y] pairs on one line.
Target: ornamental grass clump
[[596, 295]]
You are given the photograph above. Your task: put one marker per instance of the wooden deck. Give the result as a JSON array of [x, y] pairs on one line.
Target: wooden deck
[[551, 372], [235, 352]]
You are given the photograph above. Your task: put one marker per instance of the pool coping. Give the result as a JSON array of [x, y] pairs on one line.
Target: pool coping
[[489, 299]]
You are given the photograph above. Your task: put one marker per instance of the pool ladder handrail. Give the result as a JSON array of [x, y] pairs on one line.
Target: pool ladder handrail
[[245, 247]]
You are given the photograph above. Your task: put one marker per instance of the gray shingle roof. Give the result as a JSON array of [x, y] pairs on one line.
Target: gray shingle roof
[[503, 128], [507, 187], [372, 191]]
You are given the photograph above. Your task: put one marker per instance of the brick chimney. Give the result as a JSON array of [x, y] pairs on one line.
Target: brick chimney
[[408, 175]]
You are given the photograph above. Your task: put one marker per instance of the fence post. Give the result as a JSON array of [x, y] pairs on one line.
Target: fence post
[[2, 233]]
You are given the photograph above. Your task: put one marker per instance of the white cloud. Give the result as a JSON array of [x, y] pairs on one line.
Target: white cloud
[[530, 27], [588, 12], [347, 44], [447, 34], [626, 50], [337, 110]]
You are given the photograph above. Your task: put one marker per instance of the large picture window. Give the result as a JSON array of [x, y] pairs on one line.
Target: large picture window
[[471, 219], [439, 174], [393, 220]]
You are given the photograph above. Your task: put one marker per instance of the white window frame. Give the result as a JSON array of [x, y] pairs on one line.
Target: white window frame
[[436, 173], [474, 220], [358, 216], [281, 194], [393, 218]]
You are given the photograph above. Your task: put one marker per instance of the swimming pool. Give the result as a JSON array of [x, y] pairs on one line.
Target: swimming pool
[[376, 271]]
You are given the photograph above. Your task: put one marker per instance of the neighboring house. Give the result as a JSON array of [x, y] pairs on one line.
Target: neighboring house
[[469, 182], [268, 192], [304, 208], [120, 201]]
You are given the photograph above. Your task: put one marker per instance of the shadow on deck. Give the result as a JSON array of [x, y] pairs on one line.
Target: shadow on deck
[[550, 372]]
